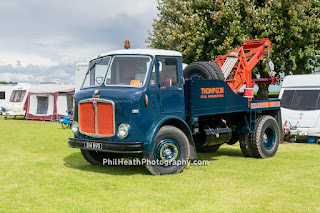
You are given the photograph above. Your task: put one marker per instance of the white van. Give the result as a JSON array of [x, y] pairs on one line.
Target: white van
[[17, 100], [81, 71], [300, 105], [5, 93]]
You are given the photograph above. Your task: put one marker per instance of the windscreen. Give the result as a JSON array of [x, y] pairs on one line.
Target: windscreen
[[17, 95], [128, 71], [96, 72]]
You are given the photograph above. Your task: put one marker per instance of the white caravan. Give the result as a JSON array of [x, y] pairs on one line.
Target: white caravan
[[5, 93], [17, 100], [300, 105], [81, 71]]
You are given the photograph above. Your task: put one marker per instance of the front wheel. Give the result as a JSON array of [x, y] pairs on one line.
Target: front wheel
[[95, 157], [170, 152]]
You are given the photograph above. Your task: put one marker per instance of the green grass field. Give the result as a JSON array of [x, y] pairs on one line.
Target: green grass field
[[39, 173]]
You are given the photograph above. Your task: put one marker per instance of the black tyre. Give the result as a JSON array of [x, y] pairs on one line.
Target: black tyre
[[199, 70], [217, 70], [209, 149], [245, 144], [234, 139], [95, 157], [171, 151], [64, 125], [266, 137], [5, 118]]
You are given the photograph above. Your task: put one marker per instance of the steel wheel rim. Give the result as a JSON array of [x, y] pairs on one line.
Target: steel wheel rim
[[167, 150], [196, 76], [269, 138]]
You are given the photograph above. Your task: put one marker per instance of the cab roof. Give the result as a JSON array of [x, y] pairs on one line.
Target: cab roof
[[152, 52]]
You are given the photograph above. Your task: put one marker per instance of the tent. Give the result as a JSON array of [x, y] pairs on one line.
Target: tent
[[49, 101]]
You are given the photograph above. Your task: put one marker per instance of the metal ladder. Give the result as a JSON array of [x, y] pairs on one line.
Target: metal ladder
[[228, 65]]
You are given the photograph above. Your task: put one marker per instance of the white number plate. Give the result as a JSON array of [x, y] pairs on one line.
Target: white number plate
[[92, 145]]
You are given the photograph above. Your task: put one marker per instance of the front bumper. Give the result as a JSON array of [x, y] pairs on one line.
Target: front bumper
[[107, 146]]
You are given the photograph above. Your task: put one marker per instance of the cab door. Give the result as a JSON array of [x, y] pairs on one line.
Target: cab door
[[171, 91]]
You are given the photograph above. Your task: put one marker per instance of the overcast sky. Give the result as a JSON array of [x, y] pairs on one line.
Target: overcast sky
[[42, 40]]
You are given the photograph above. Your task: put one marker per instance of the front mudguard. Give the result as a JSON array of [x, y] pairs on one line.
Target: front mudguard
[[148, 142]]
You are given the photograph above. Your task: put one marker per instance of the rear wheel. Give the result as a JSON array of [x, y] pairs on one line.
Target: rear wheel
[[266, 137], [170, 152], [234, 139], [95, 157], [245, 144]]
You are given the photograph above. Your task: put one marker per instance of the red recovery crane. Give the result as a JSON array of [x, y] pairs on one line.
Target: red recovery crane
[[237, 65]]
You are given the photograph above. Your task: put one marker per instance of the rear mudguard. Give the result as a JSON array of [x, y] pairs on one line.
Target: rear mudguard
[[148, 142]]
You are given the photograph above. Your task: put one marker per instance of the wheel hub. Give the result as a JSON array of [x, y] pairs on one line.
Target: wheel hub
[[196, 76], [167, 150], [269, 138]]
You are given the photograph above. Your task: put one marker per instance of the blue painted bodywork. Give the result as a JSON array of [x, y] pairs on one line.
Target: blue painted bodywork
[[202, 105], [164, 104], [182, 104]]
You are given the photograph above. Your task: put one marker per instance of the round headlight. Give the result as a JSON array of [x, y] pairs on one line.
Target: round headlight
[[123, 130], [75, 127]]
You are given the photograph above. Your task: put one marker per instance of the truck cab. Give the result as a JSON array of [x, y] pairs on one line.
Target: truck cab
[[133, 104]]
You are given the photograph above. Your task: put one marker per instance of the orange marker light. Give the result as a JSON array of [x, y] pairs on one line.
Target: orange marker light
[[126, 44], [146, 100]]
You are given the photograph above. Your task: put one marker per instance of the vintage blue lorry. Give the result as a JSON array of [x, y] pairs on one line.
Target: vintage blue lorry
[[140, 103]]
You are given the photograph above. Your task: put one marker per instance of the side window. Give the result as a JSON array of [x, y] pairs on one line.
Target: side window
[[2, 95], [153, 79], [168, 72]]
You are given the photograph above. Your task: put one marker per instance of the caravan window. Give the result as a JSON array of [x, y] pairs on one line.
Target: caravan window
[[17, 95], [2, 95], [305, 100], [301, 99], [287, 98], [43, 103]]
